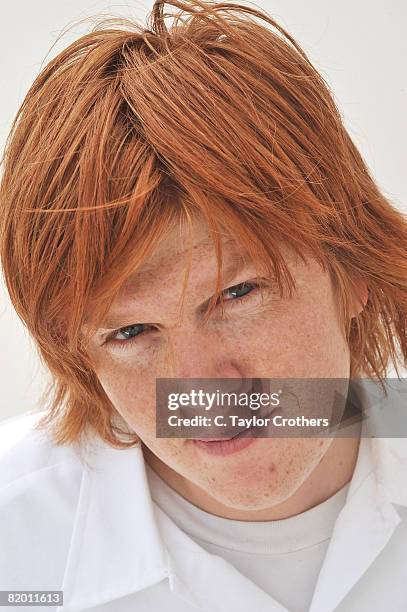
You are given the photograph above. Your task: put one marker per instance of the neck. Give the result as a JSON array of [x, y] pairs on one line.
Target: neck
[[333, 472]]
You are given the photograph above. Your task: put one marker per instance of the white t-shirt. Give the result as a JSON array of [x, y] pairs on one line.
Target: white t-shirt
[[282, 557]]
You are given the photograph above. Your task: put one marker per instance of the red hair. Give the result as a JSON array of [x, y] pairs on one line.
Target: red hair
[[132, 130]]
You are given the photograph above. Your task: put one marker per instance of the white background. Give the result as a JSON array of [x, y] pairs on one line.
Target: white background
[[359, 47]]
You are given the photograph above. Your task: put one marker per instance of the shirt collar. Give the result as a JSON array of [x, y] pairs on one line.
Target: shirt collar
[[116, 548], [388, 455], [369, 518]]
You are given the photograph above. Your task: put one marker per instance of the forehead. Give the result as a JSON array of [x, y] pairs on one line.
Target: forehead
[[173, 253]]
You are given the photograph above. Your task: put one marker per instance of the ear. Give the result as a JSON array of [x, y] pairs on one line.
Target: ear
[[361, 294]]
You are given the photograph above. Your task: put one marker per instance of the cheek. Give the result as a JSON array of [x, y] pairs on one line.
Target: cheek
[[324, 345], [134, 400], [297, 339]]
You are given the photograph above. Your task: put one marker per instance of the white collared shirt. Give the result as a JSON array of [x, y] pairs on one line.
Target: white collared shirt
[[86, 524]]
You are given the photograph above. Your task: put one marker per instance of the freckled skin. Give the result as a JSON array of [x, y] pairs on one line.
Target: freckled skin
[[297, 338]]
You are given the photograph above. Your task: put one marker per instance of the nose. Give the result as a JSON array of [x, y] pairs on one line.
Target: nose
[[200, 354]]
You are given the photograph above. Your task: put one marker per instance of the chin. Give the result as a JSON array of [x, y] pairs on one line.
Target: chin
[[258, 498]]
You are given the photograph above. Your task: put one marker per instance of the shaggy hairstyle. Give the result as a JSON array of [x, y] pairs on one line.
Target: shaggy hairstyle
[[132, 131]]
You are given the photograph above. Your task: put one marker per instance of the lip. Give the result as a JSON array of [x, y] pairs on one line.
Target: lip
[[226, 447]]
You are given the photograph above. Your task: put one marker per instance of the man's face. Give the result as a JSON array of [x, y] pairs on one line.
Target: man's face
[[259, 335]]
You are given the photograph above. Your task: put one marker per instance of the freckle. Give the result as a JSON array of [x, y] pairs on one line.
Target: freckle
[[321, 443], [272, 468]]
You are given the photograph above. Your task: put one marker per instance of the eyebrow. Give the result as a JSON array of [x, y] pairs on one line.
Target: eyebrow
[[236, 264]]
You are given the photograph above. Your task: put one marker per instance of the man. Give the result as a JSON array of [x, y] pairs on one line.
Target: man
[[162, 191]]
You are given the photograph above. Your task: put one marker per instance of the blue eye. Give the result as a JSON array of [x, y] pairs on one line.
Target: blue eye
[[137, 328], [240, 290]]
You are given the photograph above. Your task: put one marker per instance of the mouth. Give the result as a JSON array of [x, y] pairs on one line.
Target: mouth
[[225, 446], [228, 444], [241, 431], [224, 438]]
